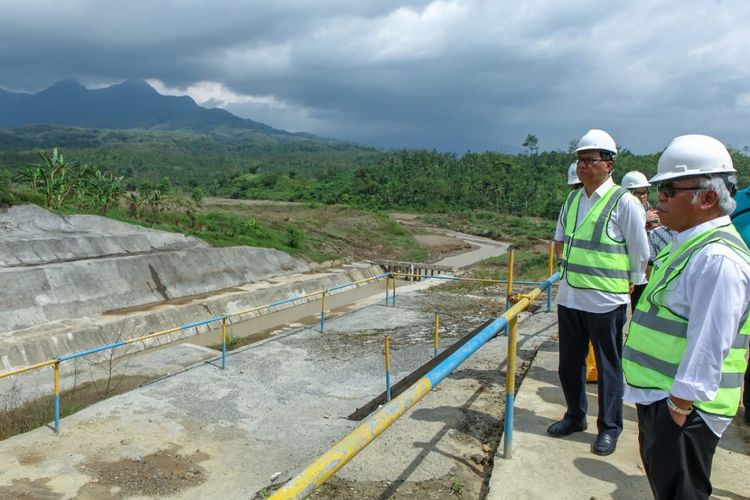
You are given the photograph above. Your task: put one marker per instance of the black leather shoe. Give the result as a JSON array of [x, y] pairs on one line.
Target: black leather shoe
[[565, 427], [747, 416], [604, 445]]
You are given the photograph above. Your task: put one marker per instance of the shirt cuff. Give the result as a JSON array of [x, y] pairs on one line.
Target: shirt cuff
[[692, 391], [638, 278]]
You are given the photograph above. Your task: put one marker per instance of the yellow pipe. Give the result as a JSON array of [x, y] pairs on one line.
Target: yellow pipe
[[437, 332], [342, 452], [511, 263], [551, 257], [28, 368], [510, 366]]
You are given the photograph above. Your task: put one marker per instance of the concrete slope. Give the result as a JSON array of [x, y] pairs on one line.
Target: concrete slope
[[30, 235], [42, 342], [59, 276], [35, 295]]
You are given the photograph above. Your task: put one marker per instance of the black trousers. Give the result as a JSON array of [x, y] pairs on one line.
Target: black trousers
[[636, 295], [677, 459], [746, 391], [604, 330]]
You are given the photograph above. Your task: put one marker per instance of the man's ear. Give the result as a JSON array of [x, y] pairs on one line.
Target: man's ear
[[709, 199]]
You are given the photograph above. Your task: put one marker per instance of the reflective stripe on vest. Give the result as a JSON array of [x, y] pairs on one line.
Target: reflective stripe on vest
[[592, 260], [657, 338]]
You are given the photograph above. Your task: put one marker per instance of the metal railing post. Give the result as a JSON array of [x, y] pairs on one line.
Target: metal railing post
[[56, 368], [323, 311], [437, 333], [223, 342], [510, 386], [387, 368], [509, 289]]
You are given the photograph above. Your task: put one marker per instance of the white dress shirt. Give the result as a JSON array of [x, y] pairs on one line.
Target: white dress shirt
[[628, 223], [713, 292]]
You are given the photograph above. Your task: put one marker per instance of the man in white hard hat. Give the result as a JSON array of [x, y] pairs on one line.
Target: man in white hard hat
[[684, 359], [638, 185], [574, 183], [605, 251]]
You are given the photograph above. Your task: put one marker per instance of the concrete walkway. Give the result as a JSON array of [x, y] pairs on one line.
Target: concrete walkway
[[544, 467]]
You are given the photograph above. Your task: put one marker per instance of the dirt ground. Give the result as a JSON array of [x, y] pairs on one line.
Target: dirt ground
[[349, 233]]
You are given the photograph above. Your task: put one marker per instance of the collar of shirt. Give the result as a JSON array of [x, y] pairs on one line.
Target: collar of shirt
[[680, 238], [601, 190]]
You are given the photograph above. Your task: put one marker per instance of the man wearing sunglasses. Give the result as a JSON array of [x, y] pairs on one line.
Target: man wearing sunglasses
[[684, 358], [605, 251]]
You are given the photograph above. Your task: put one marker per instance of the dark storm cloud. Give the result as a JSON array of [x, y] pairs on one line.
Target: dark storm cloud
[[453, 75]]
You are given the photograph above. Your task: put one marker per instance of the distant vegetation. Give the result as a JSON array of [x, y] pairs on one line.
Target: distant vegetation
[[159, 178]]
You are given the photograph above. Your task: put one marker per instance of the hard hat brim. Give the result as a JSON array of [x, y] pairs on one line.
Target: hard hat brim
[[667, 176]]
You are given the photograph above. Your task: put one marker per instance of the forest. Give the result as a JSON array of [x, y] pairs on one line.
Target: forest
[[530, 184]]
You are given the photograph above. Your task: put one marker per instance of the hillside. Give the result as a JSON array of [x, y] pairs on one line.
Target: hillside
[[132, 130], [127, 105]]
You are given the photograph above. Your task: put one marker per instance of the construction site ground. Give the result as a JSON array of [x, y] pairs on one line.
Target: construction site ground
[[199, 431], [280, 403]]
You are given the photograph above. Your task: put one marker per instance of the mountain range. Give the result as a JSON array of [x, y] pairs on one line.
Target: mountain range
[[133, 104]]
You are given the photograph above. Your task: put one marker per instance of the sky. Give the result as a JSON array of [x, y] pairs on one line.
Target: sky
[[463, 75]]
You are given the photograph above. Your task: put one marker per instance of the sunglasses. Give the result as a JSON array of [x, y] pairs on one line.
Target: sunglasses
[[670, 190], [589, 162]]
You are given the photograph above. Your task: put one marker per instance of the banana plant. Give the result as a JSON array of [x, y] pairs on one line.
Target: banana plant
[[53, 177]]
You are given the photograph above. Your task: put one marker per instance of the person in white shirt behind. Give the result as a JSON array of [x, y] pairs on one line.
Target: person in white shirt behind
[[684, 359]]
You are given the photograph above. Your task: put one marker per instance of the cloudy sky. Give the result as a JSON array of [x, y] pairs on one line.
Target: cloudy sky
[[452, 75]]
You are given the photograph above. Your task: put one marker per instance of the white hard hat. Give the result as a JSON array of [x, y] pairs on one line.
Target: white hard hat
[[633, 180], [689, 155], [572, 175], [598, 140]]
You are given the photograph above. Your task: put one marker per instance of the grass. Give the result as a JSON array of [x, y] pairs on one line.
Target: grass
[[15, 419], [530, 265], [457, 487], [524, 232]]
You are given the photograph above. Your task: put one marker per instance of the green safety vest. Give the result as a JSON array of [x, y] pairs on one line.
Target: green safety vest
[[657, 338], [591, 259]]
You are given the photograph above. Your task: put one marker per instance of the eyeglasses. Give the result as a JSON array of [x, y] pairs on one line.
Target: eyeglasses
[[670, 190], [641, 192], [589, 162]]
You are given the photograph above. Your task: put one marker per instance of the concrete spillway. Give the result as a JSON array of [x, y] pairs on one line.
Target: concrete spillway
[[72, 283]]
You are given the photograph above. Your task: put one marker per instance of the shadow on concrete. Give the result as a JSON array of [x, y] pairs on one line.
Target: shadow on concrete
[[467, 421], [555, 395], [737, 437], [628, 486], [432, 446]]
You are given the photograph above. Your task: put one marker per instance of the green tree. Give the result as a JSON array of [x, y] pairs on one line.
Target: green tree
[[531, 144]]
